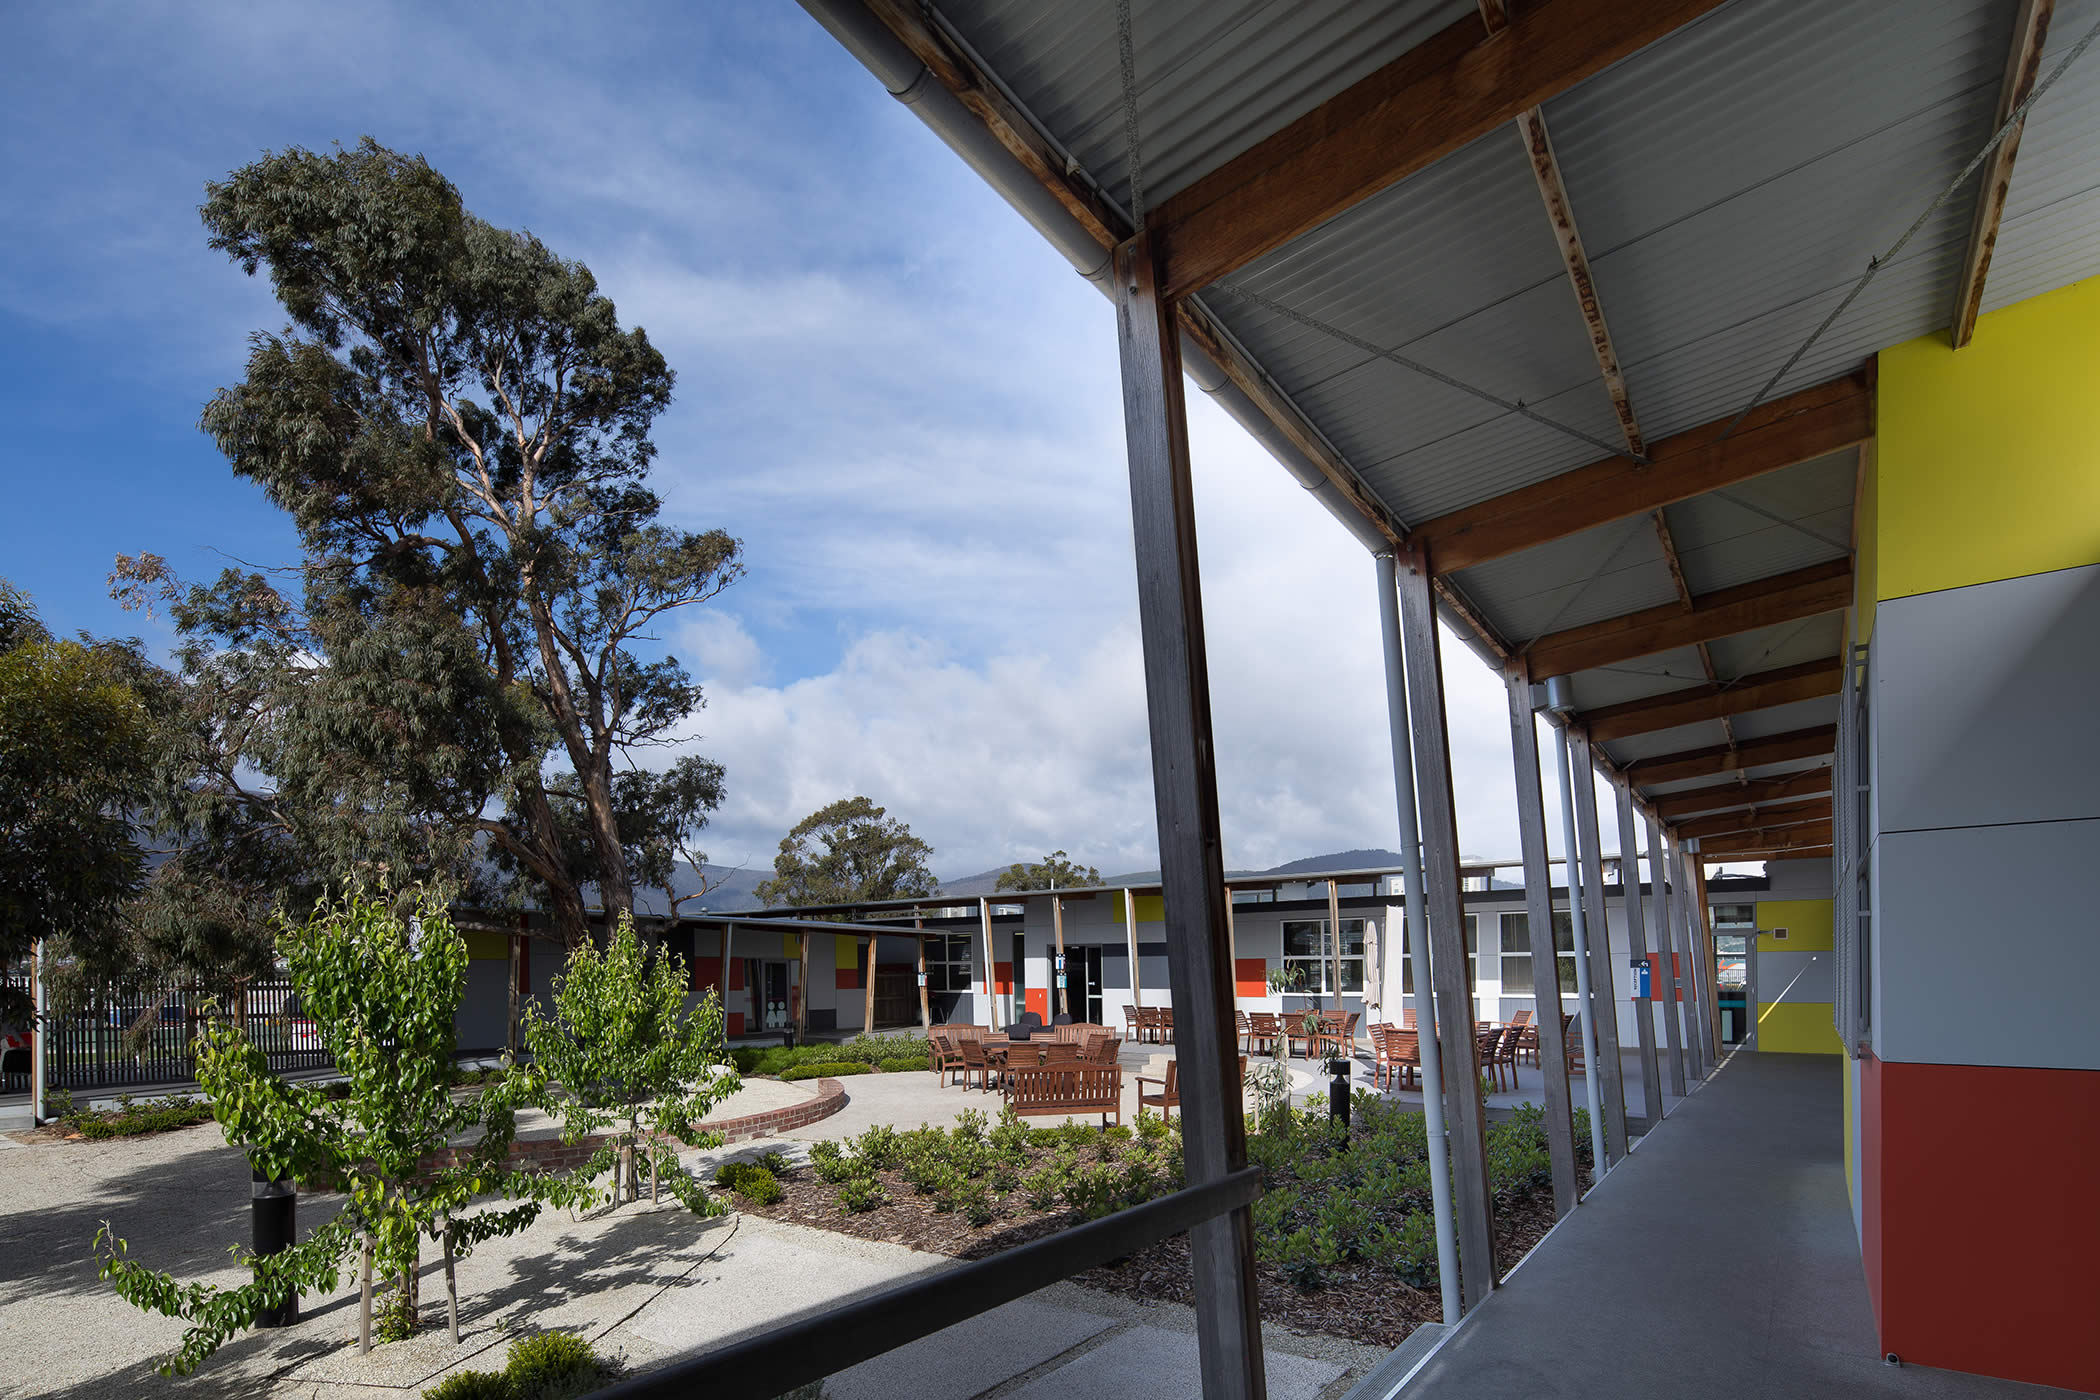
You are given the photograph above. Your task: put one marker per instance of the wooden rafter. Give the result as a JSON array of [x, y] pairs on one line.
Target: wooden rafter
[[1451, 90], [1766, 841], [1820, 588], [1668, 542], [1802, 426], [2023, 68], [1808, 681], [1755, 818], [1716, 796], [1813, 742]]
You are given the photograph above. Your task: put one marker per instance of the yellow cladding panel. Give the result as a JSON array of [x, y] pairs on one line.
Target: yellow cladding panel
[[1866, 525], [845, 950], [488, 947], [791, 944], [1808, 925], [1151, 909], [1797, 1028], [1851, 1123], [1988, 458]]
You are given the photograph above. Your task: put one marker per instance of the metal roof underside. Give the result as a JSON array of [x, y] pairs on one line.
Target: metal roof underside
[[1730, 182]]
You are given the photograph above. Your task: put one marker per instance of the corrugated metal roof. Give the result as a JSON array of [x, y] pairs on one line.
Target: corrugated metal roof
[[1730, 182], [1213, 76]]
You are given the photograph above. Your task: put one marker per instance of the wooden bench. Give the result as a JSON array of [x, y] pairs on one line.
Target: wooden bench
[[1035, 1091]]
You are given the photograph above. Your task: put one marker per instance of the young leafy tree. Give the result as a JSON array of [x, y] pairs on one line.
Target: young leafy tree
[[460, 430], [74, 736], [382, 985], [845, 852], [1055, 871], [624, 1053]]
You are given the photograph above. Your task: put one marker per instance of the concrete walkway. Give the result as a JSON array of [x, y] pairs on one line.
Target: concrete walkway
[[1718, 1260]]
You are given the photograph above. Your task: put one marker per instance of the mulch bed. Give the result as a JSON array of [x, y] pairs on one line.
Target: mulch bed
[[1360, 1303]]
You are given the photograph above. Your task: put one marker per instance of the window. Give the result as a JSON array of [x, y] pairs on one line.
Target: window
[[1516, 955], [1309, 950], [1365, 890], [1735, 916], [1481, 962], [948, 962], [1254, 896]]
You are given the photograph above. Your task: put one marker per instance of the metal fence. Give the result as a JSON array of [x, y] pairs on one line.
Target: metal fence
[[92, 1048]]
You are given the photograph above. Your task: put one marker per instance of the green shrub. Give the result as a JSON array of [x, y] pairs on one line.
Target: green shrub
[[749, 1180], [901, 1064], [878, 1146], [825, 1069], [553, 1366], [1095, 1191], [832, 1164], [132, 1120], [473, 1385], [1306, 1256], [1351, 1225], [1010, 1136], [1045, 1185], [861, 1193]]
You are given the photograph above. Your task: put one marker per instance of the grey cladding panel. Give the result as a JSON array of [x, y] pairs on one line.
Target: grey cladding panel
[[1987, 703]]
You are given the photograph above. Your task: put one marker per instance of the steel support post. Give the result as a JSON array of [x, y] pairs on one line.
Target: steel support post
[[1670, 945], [1698, 939], [1185, 795], [1703, 920], [1431, 1063], [1610, 1071], [1637, 947], [1137, 992], [1443, 904], [1057, 971], [1586, 1010], [1545, 960]]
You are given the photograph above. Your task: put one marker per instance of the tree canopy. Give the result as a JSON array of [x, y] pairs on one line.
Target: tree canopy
[[1055, 871], [461, 662], [847, 852], [75, 734]]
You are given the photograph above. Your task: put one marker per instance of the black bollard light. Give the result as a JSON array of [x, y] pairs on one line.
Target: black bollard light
[[273, 1207], [1338, 1091]]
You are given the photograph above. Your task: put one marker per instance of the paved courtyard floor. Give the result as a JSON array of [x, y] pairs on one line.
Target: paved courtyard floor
[[646, 1284]]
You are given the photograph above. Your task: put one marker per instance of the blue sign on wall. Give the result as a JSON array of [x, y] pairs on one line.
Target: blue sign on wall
[[1641, 970]]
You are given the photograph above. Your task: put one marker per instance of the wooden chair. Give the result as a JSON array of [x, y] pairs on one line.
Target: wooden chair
[[1101, 1048], [1506, 1051], [1064, 1090], [1572, 1044], [945, 1050], [1407, 1018], [1061, 1052], [1399, 1056], [1242, 1028], [1485, 1040], [1340, 1038], [1133, 1023], [1526, 1048], [1169, 1096], [974, 1062], [1264, 1029]]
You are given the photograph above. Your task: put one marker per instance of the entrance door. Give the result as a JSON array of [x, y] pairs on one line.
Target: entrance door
[[1085, 963], [1732, 957], [778, 1013]]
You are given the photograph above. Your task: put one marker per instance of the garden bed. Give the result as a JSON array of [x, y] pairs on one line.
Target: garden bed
[[1344, 1237]]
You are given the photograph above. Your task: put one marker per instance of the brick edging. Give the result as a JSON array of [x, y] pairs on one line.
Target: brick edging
[[831, 1097], [556, 1155]]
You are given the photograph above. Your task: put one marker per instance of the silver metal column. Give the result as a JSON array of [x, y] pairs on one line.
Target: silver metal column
[[1545, 956], [1671, 946], [1585, 1008], [1637, 946], [1610, 1071], [1418, 935]]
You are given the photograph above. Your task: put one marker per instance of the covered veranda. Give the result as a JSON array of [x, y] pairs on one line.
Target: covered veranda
[[1648, 349]]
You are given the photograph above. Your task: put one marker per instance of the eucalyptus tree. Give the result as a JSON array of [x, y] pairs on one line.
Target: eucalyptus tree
[[460, 430], [1056, 871], [846, 851]]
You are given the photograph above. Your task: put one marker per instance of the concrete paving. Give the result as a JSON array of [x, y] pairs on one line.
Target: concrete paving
[[643, 1284]]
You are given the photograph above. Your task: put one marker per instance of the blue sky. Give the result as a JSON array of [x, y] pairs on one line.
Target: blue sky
[[889, 388]]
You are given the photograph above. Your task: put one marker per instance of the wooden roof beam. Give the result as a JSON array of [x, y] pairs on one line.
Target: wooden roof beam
[[1788, 597], [1425, 104], [2023, 69], [1795, 744], [1815, 809], [1675, 806], [1809, 681], [1767, 842], [1800, 427]]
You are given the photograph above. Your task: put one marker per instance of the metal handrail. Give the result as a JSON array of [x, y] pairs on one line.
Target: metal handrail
[[828, 1341]]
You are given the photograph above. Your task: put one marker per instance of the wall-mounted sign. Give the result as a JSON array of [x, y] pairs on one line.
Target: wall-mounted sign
[[1641, 971], [922, 979]]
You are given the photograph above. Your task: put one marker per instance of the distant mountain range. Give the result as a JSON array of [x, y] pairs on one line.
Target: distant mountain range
[[737, 888]]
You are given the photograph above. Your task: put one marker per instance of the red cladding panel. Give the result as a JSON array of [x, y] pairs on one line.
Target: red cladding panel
[[1981, 1209], [1250, 977], [1039, 1001]]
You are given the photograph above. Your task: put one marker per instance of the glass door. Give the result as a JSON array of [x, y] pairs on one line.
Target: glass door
[[778, 1013], [1086, 987], [1732, 953]]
